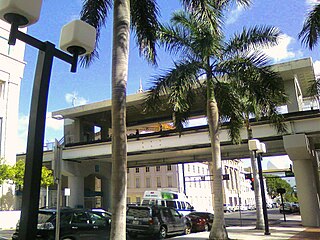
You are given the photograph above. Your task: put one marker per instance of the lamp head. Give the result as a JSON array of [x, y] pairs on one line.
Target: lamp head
[[78, 37], [21, 12], [262, 149], [254, 144]]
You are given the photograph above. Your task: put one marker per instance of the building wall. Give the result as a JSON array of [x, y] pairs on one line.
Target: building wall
[[11, 73], [196, 181]]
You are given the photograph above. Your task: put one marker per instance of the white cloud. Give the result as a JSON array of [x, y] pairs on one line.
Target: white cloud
[[234, 14], [54, 129], [316, 66], [312, 2], [282, 50], [74, 99]]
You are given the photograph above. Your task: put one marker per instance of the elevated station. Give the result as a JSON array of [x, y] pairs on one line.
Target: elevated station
[[87, 140]]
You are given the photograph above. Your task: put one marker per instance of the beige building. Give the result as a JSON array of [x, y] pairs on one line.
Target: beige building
[[11, 73]]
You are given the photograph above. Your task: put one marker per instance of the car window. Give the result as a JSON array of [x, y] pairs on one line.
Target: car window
[[166, 214], [80, 217], [97, 219], [65, 218], [171, 204], [140, 213], [183, 206], [188, 205], [179, 205], [175, 213], [44, 217], [163, 203]]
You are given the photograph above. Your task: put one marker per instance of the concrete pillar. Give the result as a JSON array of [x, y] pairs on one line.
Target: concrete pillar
[[106, 189], [76, 185], [293, 90], [299, 150]]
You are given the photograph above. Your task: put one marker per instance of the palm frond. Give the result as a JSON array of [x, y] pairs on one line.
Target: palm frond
[[311, 28], [94, 12], [175, 89], [253, 38], [144, 18]]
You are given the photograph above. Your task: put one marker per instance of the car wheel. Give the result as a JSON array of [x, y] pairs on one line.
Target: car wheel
[[187, 229], [206, 228], [162, 233]]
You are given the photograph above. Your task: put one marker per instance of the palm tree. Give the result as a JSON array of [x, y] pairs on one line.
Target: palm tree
[[205, 56], [311, 28], [142, 16]]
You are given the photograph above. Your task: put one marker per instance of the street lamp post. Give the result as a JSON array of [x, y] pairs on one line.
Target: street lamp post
[[77, 38], [259, 148]]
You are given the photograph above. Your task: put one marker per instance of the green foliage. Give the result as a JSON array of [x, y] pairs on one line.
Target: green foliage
[[274, 182], [5, 171], [18, 174]]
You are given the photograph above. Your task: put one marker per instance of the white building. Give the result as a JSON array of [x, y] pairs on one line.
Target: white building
[[193, 179], [11, 73]]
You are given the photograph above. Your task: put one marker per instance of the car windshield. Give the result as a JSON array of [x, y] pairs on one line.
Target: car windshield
[[140, 213], [44, 217]]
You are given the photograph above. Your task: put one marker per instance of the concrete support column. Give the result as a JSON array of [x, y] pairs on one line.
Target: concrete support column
[[299, 151], [76, 185], [106, 189]]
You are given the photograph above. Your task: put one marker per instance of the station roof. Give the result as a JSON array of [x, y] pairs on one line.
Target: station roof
[[100, 112]]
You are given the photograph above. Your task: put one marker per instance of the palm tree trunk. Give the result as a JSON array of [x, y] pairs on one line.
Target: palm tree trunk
[[218, 230], [257, 191], [120, 55]]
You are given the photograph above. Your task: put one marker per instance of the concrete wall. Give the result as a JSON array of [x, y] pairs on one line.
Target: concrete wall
[[9, 219]]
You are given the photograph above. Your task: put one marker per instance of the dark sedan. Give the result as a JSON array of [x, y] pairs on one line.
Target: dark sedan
[[200, 221], [75, 224]]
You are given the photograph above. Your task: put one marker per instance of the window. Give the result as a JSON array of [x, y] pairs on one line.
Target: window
[[169, 181], [158, 168], [194, 168], [147, 169], [128, 170], [128, 200], [137, 182], [169, 168], [188, 168], [138, 200], [158, 182], [198, 169], [137, 170], [148, 182], [2, 89]]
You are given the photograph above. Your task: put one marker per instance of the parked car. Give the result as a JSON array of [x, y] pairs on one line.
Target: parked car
[[155, 221], [200, 221], [289, 207], [227, 207], [75, 224]]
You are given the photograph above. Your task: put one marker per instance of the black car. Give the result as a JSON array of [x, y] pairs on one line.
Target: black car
[[155, 221], [75, 224], [200, 221]]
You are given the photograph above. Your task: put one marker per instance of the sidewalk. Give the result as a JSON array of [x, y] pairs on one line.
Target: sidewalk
[[291, 229]]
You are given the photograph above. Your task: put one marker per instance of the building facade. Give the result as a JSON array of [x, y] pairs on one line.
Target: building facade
[[11, 73], [193, 179]]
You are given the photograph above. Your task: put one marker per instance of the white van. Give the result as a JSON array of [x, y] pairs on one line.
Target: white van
[[168, 199]]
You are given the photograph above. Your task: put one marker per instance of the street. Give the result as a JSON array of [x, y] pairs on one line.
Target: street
[[232, 219]]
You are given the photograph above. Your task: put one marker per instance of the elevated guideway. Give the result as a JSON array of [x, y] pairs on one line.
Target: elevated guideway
[[167, 147]]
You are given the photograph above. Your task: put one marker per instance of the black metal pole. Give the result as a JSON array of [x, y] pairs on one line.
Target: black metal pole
[[184, 180], [34, 156], [263, 196], [37, 118], [284, 214]]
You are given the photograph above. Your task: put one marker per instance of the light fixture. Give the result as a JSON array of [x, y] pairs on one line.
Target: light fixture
[[254, 145], [22, 12]]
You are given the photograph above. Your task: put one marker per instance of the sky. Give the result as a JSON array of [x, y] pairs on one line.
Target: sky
[[93, 84]]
